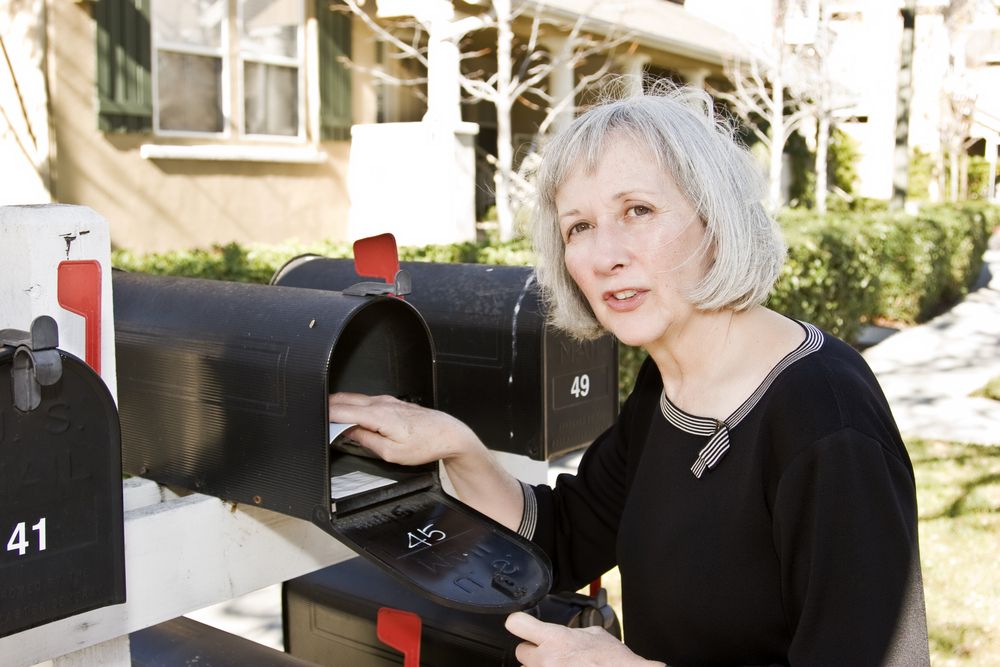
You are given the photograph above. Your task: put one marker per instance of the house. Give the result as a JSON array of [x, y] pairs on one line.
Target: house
[[192, 122]]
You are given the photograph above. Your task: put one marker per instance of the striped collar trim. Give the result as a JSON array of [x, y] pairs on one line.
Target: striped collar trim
[[718, 444]]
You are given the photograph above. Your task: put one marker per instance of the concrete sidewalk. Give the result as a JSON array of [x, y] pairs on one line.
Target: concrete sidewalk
[[929, 371]]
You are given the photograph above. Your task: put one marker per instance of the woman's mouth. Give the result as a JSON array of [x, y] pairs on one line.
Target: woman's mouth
[[624, 300]]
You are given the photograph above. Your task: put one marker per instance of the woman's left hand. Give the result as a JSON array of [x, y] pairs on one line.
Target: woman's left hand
[[550, 645]]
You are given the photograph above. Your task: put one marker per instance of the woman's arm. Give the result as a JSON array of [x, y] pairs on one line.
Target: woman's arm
[[845, 528], [408, 434]]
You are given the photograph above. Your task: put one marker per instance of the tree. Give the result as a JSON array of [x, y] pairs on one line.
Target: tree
[[523, 67], [778, 92], [958, 95], [766, 96], [823, 96]]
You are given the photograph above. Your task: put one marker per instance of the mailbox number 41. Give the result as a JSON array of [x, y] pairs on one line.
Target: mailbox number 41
[[19, 538]]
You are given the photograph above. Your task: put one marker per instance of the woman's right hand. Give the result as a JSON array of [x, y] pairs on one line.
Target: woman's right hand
[[401, 432], [405, 433]]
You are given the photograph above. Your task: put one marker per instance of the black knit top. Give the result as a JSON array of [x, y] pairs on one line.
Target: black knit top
[[786, 534]]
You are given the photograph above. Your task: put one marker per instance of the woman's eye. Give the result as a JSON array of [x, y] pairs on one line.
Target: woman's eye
[[638, 210], [576, 229]]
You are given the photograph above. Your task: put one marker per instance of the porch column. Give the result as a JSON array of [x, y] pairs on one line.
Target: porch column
[[695, 76], [561, 81], [633, 67], [443, 89]]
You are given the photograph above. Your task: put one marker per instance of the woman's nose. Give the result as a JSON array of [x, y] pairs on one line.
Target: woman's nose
[[611, 252]]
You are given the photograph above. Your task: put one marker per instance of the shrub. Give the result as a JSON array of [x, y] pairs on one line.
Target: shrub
[[843, 270]]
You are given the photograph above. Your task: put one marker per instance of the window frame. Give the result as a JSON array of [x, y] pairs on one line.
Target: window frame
[[233, 57]]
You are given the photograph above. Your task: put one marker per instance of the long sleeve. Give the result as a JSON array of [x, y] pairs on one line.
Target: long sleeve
[[577, 521], [845, 529]]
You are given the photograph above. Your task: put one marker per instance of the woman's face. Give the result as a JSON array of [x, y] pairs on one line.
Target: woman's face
[[633, 243]]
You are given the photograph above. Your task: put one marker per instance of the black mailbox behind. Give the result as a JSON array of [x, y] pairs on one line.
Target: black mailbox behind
[[223, 389], [61, 530], [523, 387]]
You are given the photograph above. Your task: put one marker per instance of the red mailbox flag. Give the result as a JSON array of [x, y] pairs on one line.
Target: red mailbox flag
[[79, 291], [400, 630], [377, 257]]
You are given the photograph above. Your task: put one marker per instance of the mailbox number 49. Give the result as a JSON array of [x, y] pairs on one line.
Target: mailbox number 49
[[581, 386], [19, 538]]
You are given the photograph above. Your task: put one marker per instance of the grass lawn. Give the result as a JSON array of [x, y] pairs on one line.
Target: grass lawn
[[958, 495], [958, 491]]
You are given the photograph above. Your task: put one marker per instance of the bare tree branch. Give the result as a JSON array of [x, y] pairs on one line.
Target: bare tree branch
[[386, 35]]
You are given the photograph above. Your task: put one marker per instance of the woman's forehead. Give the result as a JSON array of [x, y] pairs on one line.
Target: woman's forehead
[[621, 157]]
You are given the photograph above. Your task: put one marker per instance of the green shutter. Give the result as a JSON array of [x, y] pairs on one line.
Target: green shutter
[[124, 86], [334, 75]]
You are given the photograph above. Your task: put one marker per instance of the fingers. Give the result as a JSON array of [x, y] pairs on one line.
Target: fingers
[[525, 652], [528, 627], [351, 398], [369, 412]]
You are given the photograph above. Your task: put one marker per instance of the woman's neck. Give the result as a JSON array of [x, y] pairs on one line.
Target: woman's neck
[[692, 349], [712, 361]]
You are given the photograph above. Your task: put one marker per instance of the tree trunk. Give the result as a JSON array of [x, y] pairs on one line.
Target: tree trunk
[[904, 93], [777, 121], [505, 150], [822, 143], [953, 176]]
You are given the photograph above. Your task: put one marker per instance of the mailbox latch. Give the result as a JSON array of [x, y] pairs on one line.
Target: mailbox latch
[[36, 361]]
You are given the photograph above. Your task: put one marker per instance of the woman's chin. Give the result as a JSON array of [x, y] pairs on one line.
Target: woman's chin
[[633, 338]]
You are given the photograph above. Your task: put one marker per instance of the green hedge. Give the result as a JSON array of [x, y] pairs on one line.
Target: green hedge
[[843, 269]]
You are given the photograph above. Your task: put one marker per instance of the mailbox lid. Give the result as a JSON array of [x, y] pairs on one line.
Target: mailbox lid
[[61, 522], [447, 552], [223, 386]]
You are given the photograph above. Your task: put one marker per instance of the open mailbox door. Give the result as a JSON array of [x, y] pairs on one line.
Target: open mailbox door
[[223, 390], [522, 386]]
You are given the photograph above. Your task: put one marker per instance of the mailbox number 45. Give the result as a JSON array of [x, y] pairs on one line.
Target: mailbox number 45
[[19, 538]]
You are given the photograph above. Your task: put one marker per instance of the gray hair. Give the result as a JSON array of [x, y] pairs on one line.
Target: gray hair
[[716, 173]]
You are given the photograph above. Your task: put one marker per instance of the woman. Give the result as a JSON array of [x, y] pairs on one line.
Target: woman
[[754, 491]]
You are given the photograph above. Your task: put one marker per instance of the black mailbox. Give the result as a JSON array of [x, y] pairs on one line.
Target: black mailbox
[[523, 387], [61, 531], [223, 389]]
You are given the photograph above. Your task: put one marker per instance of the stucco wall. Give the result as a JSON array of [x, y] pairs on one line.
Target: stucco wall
[[24, 131], [159, 204]]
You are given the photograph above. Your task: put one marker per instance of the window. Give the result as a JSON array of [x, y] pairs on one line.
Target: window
[[221, 68], [190, 44], [201, 44], [271, 59]]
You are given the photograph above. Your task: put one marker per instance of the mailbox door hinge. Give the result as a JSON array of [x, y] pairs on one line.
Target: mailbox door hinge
[[36, 361], [402, 284]]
